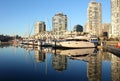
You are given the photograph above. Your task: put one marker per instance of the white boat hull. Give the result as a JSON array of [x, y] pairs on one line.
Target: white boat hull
[[74, 44]]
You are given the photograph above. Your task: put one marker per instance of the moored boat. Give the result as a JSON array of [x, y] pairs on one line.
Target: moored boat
[[75, 42]]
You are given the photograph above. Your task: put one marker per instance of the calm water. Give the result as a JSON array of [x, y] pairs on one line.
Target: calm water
[[43, 64]]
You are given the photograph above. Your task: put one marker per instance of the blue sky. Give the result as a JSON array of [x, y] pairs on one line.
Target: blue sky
[[19, 16]]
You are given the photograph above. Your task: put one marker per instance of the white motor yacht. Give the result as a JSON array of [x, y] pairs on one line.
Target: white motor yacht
[[75, 42]]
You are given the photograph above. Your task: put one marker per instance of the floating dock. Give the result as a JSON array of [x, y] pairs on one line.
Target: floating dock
[[113, 50]]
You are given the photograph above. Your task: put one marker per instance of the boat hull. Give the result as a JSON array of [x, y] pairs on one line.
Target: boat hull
[[74, 45]]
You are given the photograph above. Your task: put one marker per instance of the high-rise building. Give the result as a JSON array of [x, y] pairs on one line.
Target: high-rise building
[[94, 23], [106, 29], [59, 24], [86, 28], [39, 27], [78, 28], [115, 18]]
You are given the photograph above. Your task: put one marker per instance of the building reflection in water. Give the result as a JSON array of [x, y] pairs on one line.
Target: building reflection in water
[[106, 56], [115, 68], [59, 62], [91, 56], [115, 65], [39, 55], [94, 67]]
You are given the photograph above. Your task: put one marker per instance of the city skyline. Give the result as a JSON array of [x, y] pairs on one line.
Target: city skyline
[[19, 17]]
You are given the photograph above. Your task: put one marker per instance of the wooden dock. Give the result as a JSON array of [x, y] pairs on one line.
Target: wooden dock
[[113, 50]]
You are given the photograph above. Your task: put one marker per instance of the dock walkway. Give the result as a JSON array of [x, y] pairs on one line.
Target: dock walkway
[[113, 50]]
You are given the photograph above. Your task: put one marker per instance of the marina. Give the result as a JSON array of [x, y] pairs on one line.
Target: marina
[[75, 45], [70, 42]]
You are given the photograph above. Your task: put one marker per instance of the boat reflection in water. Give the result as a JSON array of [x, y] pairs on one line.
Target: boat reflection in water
[[59, 57], [76, 53], [28, 47], [44, 64], [90, 56]]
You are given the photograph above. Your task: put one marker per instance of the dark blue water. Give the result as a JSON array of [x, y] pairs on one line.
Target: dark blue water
[[36, 64]]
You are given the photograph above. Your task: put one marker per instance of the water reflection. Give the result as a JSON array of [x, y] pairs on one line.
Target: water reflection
[[28, 47], [4, 45], [94, 67], [100, 65], [115, 68], [39, 55], [59, 62], [91, 56]]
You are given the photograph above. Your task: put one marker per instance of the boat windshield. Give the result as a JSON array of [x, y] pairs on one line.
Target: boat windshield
[[94, 40]]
